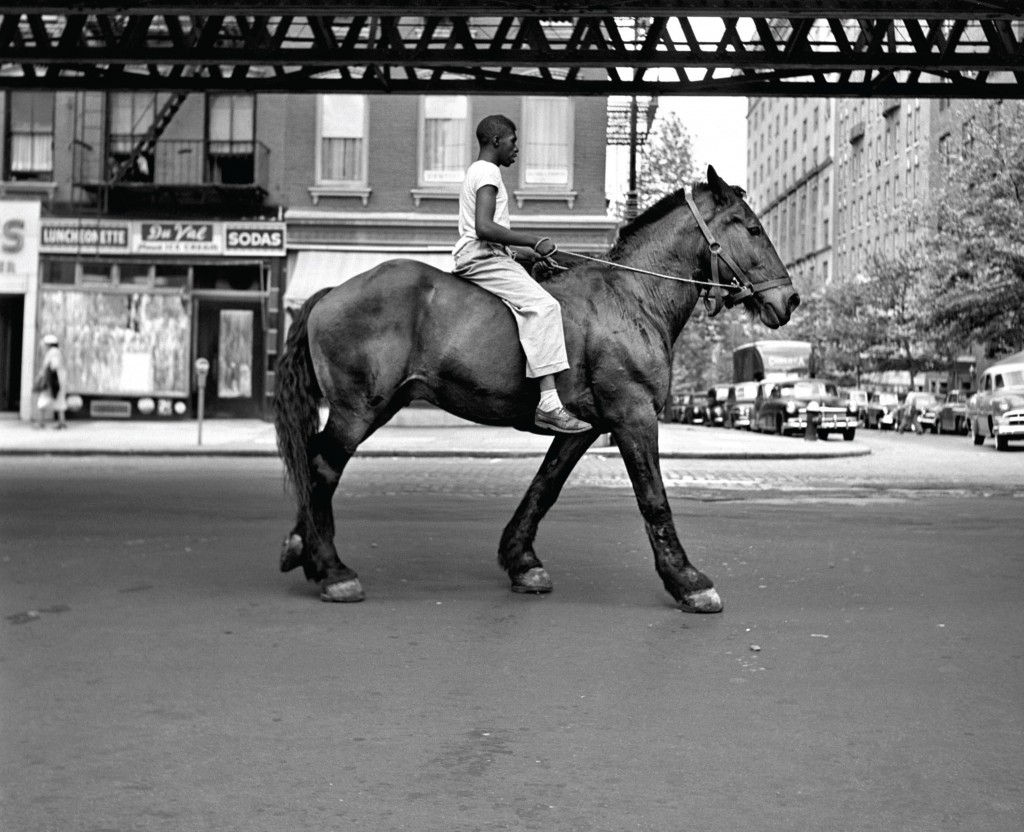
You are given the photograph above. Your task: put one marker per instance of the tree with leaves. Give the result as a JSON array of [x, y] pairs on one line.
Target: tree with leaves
[[666, 162], [894, 307], [976, 291], [702, 354]]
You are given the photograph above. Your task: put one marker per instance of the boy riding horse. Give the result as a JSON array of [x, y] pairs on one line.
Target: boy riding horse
[[482, 256]]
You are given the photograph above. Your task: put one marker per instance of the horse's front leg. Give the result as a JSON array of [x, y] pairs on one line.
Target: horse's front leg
[[515, 554], [638, 444]]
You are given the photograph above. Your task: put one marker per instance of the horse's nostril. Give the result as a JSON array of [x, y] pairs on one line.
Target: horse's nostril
[[794, 301]]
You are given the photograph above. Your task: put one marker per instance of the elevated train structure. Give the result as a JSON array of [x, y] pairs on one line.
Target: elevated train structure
[[905, 48]]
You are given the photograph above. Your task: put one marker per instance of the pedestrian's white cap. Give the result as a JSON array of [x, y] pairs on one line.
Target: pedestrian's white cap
[[50, 340]]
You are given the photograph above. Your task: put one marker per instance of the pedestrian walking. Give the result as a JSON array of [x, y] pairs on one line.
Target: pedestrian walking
[[51, 385], [484, 255], [909, 421]]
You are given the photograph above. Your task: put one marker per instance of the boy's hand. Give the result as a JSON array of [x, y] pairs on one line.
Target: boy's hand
[[545, 247], [551, 264]]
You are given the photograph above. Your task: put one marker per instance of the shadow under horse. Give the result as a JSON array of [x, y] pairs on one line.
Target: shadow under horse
[[405, 330]]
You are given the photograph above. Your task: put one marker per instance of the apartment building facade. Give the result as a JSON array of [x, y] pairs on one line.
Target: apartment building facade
[[156, 229], [857, 186]]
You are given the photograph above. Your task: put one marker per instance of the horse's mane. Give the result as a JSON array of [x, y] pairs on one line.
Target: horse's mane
[[662, 208]]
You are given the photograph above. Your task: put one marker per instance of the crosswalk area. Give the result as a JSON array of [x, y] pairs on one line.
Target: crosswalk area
[[736, 479]]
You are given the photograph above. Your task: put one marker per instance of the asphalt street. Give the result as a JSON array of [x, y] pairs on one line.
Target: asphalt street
[[157, 672]]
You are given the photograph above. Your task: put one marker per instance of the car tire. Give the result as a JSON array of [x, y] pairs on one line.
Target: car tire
[[976, 436], [1002, 443], [849, 434], [823, 435]]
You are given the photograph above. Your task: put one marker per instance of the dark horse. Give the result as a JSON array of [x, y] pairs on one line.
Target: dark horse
[[404, 330]]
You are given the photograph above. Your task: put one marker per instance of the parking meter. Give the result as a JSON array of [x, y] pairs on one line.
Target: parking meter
[[813, 420], [202, 371]]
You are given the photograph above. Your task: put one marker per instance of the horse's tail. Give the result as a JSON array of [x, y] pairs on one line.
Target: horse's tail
[[297, 408]]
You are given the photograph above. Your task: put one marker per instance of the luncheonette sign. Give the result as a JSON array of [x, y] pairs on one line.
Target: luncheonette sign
[[19, 244], [90, 237], [163, 237]]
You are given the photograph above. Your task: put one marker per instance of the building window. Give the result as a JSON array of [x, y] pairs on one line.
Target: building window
[[547, 128], [445, 139], [343, 139], [231, 130], [945, 148], [30, 135], [131, 117]]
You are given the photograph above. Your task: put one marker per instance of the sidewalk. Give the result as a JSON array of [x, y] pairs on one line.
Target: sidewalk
[[404, 436]]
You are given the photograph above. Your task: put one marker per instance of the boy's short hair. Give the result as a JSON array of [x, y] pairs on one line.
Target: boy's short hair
[[494, 127]]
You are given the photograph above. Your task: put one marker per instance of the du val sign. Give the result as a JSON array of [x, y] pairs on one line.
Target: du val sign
[[178, 238]]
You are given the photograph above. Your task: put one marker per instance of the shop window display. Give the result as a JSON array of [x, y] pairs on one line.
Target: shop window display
[[125, 343]]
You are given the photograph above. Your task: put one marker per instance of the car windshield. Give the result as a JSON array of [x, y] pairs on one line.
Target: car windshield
[[1013, 378], [887, 398]]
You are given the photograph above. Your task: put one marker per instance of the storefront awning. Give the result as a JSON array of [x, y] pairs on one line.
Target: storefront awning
[[316, 270]]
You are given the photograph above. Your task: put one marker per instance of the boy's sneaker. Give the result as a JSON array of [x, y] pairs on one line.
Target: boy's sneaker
[[560, 421]]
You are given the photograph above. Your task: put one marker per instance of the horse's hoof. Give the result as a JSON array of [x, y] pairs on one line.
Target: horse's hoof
[[703, 600], [343, 592], [291, 553], [536, 581]]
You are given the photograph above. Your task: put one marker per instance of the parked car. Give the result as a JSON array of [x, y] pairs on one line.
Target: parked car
[[881, 410], [718, 394], [928, 418], [785, 409], [689, 409], [764, 392], [856, 402], [740, 404], [997, 409], [951, 416], [917, 402]]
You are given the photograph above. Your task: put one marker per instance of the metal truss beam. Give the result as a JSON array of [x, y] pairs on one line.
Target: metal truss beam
[[904, 48]]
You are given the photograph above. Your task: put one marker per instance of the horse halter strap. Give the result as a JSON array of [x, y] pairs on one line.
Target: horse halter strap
[[739, 286]]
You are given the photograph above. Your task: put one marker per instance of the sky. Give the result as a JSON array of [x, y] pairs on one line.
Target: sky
[[718, 129], [717, 124]]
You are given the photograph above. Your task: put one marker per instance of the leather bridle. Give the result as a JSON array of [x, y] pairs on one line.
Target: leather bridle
[[739, 287]]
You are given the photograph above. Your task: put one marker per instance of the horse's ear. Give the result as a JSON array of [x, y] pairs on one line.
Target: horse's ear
[[718, 187]]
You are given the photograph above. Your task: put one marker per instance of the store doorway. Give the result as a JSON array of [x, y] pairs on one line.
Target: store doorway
[[12, 328], [229, 334]]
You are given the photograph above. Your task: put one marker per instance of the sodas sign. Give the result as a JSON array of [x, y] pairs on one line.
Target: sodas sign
[[19, 241], [254, 238]]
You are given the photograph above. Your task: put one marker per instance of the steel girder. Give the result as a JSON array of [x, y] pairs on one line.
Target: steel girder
[[858, 47]]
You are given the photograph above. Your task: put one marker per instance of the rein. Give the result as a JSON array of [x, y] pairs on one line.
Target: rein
[[739, 286]]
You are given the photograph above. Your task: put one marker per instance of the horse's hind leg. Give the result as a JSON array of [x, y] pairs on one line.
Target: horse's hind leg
[[515, 554], [313, 548]]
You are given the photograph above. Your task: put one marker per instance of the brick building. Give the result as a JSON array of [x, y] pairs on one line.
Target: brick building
[[154, 229]]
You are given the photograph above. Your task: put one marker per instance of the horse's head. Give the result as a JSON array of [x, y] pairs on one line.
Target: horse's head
[[751, 268]]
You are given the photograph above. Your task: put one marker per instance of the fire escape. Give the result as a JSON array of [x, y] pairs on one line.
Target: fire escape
[[134, 163]]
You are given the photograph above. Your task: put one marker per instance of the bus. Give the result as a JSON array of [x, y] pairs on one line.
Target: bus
[[768, 360]]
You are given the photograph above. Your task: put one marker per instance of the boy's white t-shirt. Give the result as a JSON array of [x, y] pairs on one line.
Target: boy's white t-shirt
[[478, 174]]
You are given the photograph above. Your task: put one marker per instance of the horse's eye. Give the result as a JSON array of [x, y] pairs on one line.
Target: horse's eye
[[754, 230]]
